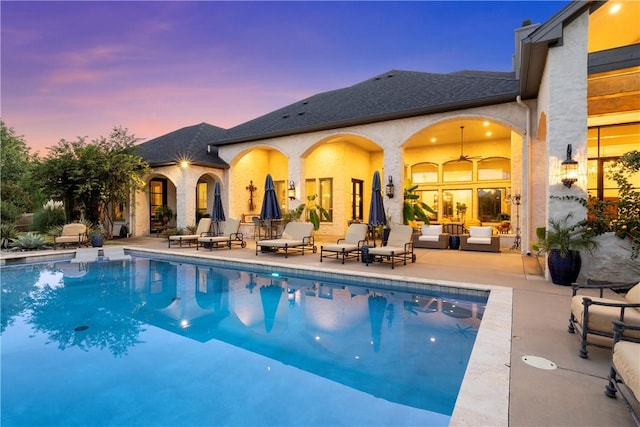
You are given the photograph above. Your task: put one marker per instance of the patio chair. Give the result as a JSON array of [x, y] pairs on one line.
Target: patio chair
[[480, 239], [624, 376], [115, 253], [431, 237], [204, 226], [295, 236], [399, 247], [229, 237], [591, 317], [348, 247], [71, 234]]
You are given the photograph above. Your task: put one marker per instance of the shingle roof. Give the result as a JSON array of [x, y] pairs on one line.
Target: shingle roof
[[187, 143], [391, 95]]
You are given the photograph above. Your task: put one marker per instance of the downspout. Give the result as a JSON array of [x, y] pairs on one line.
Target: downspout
[[525, 213]]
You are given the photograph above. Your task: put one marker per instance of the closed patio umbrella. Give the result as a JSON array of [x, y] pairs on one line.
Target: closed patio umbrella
[[377, 307], [270, 296], [217, 214], [270, 207], [377, 215]]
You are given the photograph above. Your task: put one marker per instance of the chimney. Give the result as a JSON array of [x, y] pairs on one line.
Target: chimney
[[520, 34]]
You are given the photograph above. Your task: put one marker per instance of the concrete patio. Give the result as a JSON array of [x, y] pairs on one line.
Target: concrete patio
[[571, 395]]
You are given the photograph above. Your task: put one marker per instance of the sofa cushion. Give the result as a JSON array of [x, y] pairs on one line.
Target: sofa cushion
[[432, 230], [424, 238], [479, 240], [476, 231]]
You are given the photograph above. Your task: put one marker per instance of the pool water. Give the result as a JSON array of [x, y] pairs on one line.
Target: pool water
[[155, 342]]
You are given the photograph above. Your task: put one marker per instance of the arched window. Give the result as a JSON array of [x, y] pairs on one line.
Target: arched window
[[494, 168], [424, 173], [457, 171]]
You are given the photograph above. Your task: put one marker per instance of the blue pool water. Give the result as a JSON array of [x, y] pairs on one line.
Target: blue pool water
[[155, 343]]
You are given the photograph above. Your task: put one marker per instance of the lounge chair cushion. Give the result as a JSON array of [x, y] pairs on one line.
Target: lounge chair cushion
[[203, 227], [626, 355], [480, 235], [600, 317], [399, 236]]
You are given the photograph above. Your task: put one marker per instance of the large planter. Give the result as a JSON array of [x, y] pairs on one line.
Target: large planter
[[564, 270], [97, 241]]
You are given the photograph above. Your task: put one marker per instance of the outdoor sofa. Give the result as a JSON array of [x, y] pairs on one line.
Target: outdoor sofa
[[591, 317], [296, 236], [431, 237], [480, 238]]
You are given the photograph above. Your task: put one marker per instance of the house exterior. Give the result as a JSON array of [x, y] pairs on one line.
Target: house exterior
[[489, 142]]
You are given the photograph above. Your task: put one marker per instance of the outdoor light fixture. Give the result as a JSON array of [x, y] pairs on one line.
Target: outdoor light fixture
[[569, 169], [390, 188], [292, 190]]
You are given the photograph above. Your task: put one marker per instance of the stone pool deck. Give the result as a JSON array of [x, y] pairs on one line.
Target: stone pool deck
[[571, 395]]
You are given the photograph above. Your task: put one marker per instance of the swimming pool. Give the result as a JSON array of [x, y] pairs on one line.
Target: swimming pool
[[158, 342]]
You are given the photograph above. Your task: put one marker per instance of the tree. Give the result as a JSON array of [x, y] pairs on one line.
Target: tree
[[18, 194], [94, 177]]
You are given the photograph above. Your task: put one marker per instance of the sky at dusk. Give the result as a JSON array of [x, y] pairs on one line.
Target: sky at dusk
[[79, 68]]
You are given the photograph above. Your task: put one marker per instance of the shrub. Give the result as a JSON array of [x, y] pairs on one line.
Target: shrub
[[29, 242], [51, 215]]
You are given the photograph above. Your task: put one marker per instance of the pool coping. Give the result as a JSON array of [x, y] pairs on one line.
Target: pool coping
[[484, 394]]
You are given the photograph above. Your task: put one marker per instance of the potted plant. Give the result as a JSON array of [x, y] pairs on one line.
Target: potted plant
[[314, 211], [164, 214], [562, 242], [413, 208]]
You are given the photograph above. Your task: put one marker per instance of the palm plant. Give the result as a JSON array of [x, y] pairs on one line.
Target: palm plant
[[314, 211], [562, 237], [413, 208]]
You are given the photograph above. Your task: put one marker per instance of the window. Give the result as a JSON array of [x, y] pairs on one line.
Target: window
[[457, 171], [118, 213], [494, 168], [424, 173], [325, 197], [430, 198], [605, 144], [456, 204], [490, 203], [201, 198], [281, 193]]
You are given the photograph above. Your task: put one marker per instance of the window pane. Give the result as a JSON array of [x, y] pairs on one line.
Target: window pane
[[453, 201], [424, 173], [326, 196], [490, 202], [494, 169], [201, 197], [618, 140], [457, 171], [430, 198]]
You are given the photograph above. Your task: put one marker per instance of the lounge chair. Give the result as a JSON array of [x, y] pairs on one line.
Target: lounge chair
[[480, 239], [399, 247], [115, 253], [431, 237], [229, 237], [591, 317], [295, 236], [84, 255], [71, 234], [204, 226], [348, 247], [624, 376]]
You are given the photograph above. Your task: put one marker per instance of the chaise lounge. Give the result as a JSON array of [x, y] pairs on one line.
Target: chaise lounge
[[71, 234], [624, 376], [480, 238], [204, 226], [348, 247], [591, 317], [399, 247], [228, 238], [295, 236]]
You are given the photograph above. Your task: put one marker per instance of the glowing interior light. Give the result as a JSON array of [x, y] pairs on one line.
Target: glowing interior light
[[433, 139], [184, 164], [615, 8], [485, 124]]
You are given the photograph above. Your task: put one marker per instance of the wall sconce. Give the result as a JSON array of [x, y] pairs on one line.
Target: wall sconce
[[569, 169], [292, 190], [390, 188]]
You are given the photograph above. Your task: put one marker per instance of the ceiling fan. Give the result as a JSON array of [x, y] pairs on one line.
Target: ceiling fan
[[462, 157]]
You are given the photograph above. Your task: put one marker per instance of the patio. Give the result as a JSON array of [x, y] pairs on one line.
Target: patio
[[571, 395]]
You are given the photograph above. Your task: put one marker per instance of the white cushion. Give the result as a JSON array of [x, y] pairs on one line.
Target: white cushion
[[432, 230], [476, 231], [479, 240], [428, 238]]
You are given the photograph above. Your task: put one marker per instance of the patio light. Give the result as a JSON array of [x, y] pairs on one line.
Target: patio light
[[390, 188], [569, 169]]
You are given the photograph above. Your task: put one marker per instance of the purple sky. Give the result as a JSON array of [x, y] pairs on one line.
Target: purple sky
[[74, 69]]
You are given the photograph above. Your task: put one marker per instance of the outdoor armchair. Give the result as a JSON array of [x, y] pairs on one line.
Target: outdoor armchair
[[295, 236], [624, 376], [431, 237], [71, 234], [228, 237], [591, 317], [399, 247], [348, 247], [480, 239]]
